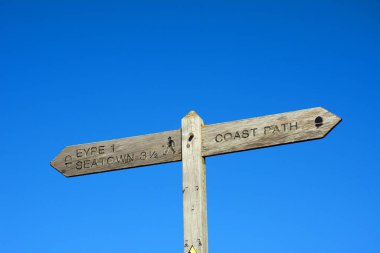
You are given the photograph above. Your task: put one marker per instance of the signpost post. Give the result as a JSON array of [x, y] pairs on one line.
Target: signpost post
[[191, 144]]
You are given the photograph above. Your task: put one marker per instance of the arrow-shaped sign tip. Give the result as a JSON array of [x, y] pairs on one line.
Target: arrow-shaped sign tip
[[55, 164], [326, 121]]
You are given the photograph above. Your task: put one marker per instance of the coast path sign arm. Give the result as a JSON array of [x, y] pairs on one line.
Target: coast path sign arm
[[117, 154], [266, 131]]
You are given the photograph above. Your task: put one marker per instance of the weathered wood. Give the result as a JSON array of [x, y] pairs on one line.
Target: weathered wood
[[217, 139], [194, 186], [277, 129], [119, 154]]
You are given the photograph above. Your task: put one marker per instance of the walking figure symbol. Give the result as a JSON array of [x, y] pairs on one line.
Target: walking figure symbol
[[170, 146]]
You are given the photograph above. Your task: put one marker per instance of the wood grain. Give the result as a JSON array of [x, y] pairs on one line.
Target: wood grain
[[194, 185]]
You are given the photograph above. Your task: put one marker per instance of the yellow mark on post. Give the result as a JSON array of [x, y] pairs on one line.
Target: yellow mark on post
[[192, 250]]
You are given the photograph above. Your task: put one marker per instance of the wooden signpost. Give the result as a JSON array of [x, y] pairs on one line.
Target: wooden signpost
[[191, 144]]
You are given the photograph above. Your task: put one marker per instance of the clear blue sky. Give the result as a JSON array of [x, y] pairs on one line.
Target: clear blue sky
[[75, 72]]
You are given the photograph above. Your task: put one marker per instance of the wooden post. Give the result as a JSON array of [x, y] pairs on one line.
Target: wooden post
[[194, 186]]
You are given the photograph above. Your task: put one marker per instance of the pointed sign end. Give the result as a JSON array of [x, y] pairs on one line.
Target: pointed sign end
[[328, 120], [55, 164]]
